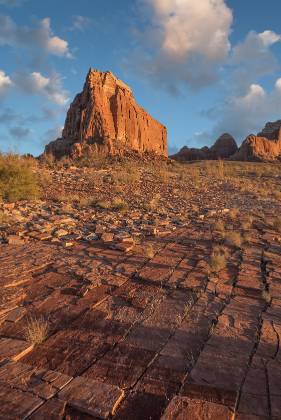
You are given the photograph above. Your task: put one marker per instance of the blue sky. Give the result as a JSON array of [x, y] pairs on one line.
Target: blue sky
[[201, 67]]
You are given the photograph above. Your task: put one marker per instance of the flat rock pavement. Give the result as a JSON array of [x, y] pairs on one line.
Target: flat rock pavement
[[142, 335]]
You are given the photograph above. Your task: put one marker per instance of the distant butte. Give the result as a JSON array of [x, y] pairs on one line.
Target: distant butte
[[224, 147], [105, 118], [264, 147]]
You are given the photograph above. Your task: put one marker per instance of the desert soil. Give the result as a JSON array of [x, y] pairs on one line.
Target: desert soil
[[141, 324]]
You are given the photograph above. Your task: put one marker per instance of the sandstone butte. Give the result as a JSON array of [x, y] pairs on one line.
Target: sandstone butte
[[224, 147], [105, 118], [265, 146]]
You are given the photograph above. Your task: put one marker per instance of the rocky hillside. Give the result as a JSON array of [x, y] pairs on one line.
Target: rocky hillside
[[105, 118], [224, 147]]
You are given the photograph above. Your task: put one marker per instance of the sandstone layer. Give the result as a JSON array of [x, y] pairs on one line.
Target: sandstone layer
[[224, 147], [105, 118]]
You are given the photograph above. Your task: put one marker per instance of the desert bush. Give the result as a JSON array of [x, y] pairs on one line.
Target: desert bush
[[163, 175], [247, 223], [4, 218], [103, 204], [126, 173], [266, 296], [233, 214], [277, 195], [219, 226], [17, 178], [233, 239], [276, 224], [119, 204], [218, 259], [36, 330], [153, 204], [149, 251]]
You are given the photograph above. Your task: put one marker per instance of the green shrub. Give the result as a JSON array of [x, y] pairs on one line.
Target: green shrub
[[17, 180]]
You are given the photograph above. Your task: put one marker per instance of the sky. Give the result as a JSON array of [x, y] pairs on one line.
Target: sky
[[201, 67]]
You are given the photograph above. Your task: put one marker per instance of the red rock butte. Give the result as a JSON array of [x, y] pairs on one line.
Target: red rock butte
[[264, 147], [105, 118]]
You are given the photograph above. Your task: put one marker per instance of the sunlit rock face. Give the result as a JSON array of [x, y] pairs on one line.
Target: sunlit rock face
[[105, 117], [265, 147]]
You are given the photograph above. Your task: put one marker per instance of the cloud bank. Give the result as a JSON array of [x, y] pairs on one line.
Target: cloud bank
[[185, 42], [40, 37]]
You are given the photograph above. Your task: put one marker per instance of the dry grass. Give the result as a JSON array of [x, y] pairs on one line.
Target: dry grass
[[218, 259], [149, 251], [266, 296], [126, 174], [37, 329]]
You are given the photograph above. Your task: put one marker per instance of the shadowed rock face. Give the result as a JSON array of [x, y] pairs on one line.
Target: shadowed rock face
[[224, 147], [105, 118], [266, 146]]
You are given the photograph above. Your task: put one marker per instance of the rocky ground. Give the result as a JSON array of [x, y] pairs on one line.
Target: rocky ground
[[143, 292]]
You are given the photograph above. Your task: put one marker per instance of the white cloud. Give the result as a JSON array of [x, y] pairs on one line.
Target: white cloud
[[36, 83], [278, 84], [252, 59], [185, 42], [189, 26], [5, 82], [39, 37], [246, 114], [269, 38]]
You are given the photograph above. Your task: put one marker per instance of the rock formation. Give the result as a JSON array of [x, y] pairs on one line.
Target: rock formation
[[266, 146], [105, 118], [224, 147]]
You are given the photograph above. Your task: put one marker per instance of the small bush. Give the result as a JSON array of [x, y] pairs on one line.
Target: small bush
[[103, 204], [149, 251], [126, 175], [276, 224], [36, 330], [233, 213], [219, 226], [118, 204], [4, 218], [218, 259], [233, 239], [247, 223], [266, 296], [17, 180]]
